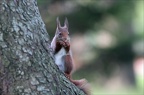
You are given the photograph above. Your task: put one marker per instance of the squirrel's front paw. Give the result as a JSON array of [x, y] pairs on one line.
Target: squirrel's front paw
[[62, 43], [67, 44]]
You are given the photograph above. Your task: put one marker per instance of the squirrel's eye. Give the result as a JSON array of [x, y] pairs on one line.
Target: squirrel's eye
[[60, 34]]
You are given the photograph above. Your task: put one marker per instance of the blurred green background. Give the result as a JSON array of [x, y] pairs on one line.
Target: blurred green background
[[107, 41]]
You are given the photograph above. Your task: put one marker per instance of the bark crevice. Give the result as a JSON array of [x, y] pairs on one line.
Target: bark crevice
[[26, 60]]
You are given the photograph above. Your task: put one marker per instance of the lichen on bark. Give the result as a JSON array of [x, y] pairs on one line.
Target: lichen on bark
[[26, 62]]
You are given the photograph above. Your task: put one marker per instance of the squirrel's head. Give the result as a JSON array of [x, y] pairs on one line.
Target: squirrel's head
[[62, 32]]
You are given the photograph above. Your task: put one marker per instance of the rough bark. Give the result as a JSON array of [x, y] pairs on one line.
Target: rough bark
[[26, 62]]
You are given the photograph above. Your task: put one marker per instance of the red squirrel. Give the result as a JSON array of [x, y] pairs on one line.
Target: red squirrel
[[63, 56]]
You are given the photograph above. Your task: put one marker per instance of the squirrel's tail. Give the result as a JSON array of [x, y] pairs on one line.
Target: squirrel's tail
[[83, 85]]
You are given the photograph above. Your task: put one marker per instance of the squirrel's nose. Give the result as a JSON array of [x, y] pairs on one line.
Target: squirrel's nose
[[65, 39], [68, 39]]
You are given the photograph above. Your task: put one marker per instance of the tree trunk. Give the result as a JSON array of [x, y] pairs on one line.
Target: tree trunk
[[26, 62]]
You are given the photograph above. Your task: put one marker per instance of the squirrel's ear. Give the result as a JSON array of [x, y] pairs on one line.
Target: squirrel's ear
[[66, 23], [58, 23]]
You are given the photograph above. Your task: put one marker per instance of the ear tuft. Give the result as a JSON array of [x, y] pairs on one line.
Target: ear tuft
[[58, 22], [66, 23]]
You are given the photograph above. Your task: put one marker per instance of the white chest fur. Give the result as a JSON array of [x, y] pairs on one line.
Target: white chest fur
[[59, 60]]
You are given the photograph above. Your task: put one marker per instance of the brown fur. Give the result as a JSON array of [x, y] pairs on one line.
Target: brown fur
[[60, 40]]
